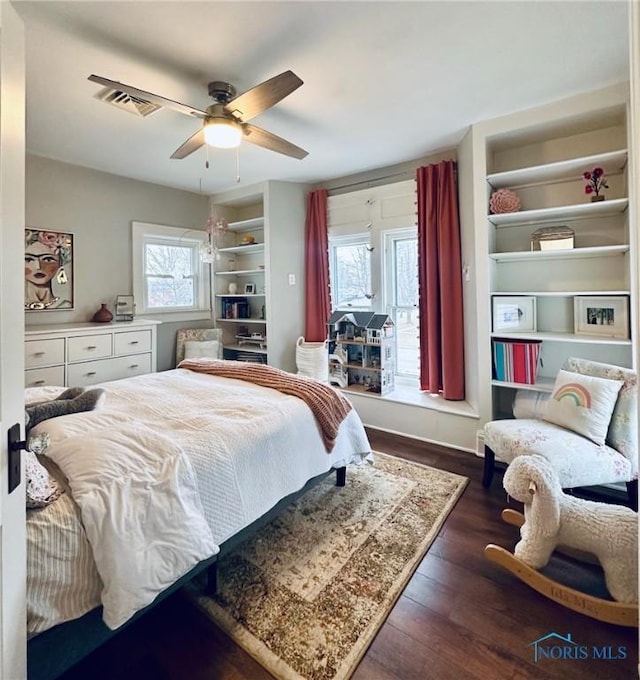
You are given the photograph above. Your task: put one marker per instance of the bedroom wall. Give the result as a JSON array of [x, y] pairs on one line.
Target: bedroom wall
[[98, 209]]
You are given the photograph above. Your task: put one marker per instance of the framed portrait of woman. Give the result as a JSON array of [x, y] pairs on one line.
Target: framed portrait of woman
[[48, 270]]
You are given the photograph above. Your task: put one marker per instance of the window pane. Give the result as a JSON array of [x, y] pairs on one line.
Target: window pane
[[407, 344], [168, 260], [406, 272], [170, 292], [351, 276], [168, 271]]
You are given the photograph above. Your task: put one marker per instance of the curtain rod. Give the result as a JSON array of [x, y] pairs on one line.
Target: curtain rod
[[365, 183]]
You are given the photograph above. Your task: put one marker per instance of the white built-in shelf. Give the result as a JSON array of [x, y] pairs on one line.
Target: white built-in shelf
[[247, 225], [541, 385], [562, 337], [242, 321], [239, 295], [592, 251], [566, 213], [562, 293], [611, 162], [246, 248], [240, 272], [246, 348]]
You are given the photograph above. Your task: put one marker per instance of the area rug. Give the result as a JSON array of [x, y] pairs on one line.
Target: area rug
[[306, 595]]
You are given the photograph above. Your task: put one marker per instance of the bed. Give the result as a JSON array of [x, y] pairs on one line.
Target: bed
[[173, 466]]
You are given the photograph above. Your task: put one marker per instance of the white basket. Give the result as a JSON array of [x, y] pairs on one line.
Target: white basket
[[312, 359]]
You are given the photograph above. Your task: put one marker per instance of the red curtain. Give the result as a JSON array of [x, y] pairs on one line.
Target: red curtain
[[317, 302], [440, 282]]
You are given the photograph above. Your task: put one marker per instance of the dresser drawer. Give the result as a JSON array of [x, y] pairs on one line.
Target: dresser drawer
[[44, 353], [37, 377], [85, 347], [131, 341], [91, 372]]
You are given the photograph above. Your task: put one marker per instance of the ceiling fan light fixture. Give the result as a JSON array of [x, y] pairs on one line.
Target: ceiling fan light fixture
[[222, 133]]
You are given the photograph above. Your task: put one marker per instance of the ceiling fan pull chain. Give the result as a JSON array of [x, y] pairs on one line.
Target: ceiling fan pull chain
[[237, 165], [206, 163]]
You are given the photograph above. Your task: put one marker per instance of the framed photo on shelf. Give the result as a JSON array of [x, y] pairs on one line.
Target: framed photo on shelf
[[604, 316], [514, 314], [249, 288]]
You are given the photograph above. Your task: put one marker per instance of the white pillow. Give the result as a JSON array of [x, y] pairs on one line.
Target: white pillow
[[583, 404], [201, 349]]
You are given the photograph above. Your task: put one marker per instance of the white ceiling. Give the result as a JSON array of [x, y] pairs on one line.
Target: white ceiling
[[384, 82]]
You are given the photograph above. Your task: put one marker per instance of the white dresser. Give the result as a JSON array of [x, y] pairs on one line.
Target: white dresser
[[79, 354]]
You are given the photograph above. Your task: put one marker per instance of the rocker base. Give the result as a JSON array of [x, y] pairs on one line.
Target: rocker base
[[603, 610]]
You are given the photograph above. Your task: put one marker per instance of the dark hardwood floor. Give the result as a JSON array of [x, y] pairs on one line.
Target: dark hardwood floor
[[459, 617]]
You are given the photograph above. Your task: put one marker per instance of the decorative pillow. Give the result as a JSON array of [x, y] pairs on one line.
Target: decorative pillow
[[201, 349], [583, 404]]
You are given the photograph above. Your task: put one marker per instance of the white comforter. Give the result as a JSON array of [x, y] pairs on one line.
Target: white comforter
[[175, 463]]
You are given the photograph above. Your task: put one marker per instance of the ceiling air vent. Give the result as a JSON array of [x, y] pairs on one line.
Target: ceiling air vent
[[126, 102]]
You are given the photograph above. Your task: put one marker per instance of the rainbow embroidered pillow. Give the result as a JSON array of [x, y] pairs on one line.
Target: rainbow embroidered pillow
[[583, 404]]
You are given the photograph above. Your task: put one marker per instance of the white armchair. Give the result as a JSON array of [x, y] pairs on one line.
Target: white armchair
[[577, 460]]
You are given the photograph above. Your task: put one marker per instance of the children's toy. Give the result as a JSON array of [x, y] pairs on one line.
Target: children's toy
[[554, 520]]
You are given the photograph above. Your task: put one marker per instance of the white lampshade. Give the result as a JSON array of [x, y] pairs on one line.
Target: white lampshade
[[223, 133]]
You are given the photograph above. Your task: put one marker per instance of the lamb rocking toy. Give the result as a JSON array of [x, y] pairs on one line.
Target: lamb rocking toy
[[579, 528]]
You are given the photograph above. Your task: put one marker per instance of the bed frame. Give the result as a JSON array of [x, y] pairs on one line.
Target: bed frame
[[56, 650]]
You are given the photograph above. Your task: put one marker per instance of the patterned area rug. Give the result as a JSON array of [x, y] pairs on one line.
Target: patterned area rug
[[306, 596]]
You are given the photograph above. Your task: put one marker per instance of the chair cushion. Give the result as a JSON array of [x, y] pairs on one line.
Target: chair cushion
[[623, 429], [583, 403], [576, 459]]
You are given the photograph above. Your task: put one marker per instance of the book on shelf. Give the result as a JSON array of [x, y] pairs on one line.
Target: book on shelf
[[516, 360], [235, 308]]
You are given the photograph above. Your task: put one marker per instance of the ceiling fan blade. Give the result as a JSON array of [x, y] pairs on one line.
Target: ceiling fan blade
[[261, 97], [268, 140], [149, 96], [192, 144]]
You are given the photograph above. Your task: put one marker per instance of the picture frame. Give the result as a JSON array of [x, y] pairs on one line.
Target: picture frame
[[605, 316], [125, 308], [249, 288], [514, 313], [48, 270]]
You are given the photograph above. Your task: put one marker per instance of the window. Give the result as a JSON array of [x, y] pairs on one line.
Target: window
[[168, 274], [373, 263], [401, 297], [350, 268]]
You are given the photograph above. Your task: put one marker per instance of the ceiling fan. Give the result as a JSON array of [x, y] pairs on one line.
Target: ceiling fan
[[225, 122]]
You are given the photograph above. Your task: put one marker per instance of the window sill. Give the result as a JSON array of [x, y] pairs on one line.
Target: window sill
[[169, 317], [407, 392]]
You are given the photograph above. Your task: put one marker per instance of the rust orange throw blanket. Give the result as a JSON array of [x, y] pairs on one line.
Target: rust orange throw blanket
[[329, 407]]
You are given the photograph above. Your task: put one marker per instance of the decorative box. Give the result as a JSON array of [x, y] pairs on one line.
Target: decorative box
[[552, 238]]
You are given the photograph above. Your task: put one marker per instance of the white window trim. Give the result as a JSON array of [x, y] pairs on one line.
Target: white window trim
[[140, 231]]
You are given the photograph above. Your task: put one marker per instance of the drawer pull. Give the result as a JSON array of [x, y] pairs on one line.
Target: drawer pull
[[39, 382], [90, 373], [133, 366], [134, 342], [92, 347], [39, 354]]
